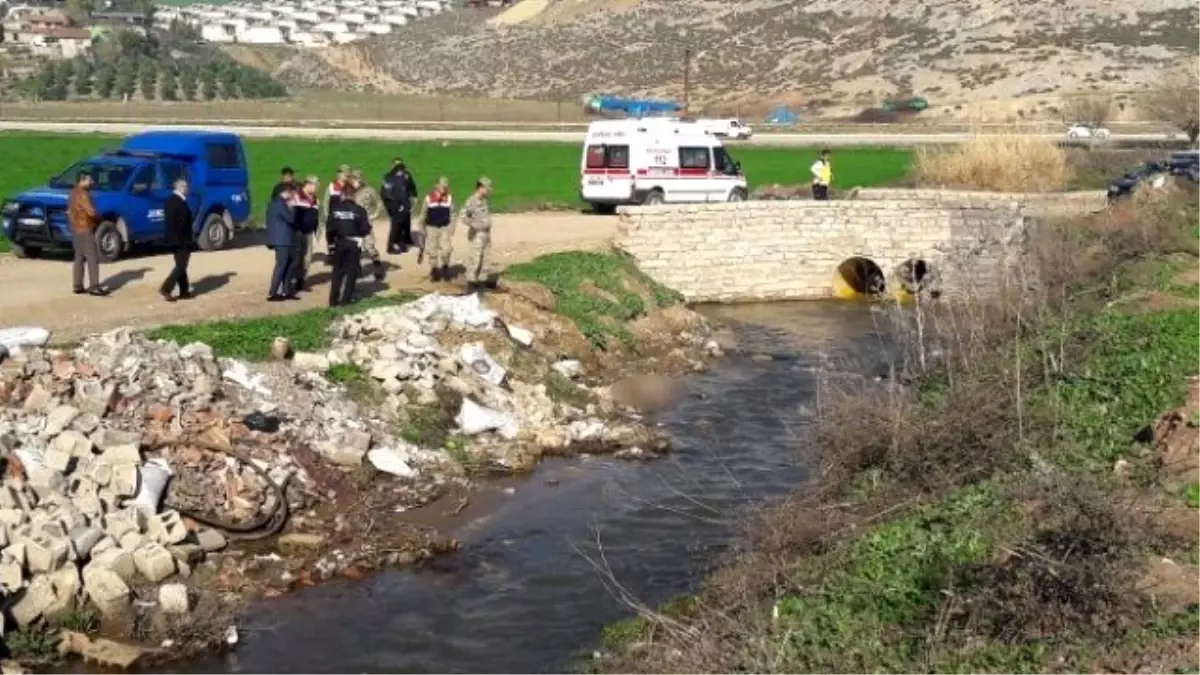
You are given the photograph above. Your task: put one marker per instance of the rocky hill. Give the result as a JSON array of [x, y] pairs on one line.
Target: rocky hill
[[825, 53]]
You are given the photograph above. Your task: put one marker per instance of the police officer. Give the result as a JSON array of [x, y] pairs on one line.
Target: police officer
[[398, 190], [347, 225], [369, 199], [477, 216]]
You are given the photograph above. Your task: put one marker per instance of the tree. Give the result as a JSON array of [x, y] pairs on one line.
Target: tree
[[1176, 98], [169, 84], [227, 77], [83, 77], [126, 77], [56, 83], [187, 82], [1093, 109], [148, 79], [79, 10], [208, 84], [105, 81]]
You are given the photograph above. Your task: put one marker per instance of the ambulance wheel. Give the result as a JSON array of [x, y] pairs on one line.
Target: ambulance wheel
[[737, 195], [654, 198], [604, 209]]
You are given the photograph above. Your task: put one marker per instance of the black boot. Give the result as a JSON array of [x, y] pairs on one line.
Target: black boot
[[380, 271], [435, 274], [446, 275]]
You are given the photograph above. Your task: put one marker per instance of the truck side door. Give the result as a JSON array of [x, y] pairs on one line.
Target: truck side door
[[143, 215]]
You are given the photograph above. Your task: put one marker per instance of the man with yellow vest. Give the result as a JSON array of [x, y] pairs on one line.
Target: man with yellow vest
[[822, 176]]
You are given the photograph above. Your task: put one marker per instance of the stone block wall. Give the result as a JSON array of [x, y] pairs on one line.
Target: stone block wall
[[774, 250], [1044, 205]]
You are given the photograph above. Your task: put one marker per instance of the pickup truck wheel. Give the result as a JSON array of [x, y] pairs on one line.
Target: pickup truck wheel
[[214, 236], [109, 241], [26, 251]]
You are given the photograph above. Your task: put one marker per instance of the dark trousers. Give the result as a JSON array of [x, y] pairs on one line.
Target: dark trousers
[[347, 266], [87, 252], [178, 276], [300, 250], [281, 277], [820, 192], [400, 232]]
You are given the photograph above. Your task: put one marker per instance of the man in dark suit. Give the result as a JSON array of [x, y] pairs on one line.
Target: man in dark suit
[[177, 223], [281, 222]]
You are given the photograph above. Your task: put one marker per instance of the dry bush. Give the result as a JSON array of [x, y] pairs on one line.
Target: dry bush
[[1176, 99], [1094, 109], [1002, 162]]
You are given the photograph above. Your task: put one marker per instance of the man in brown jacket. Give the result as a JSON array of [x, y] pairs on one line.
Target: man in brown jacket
[[82, 216]]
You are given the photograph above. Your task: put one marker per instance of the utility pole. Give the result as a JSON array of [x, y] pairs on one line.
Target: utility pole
[[687, 68]]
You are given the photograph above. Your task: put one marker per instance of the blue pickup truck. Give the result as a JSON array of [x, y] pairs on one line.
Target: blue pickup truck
[[131, 184]]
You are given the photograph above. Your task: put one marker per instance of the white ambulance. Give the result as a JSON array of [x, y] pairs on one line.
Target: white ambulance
[[656, 161]]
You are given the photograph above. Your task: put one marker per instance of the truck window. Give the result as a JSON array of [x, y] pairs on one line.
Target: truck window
[[607, 157], [143, 178], [694, 158], [170, 172], [222, 155]]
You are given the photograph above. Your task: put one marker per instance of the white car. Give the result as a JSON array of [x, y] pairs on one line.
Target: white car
[[727, 128], [1082, 130]]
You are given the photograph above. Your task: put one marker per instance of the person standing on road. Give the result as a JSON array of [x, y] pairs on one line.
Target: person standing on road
[[348, 225], [822, 176], [437, 224], [177, 222], [477, 216], [281, 221], [366, 197], [305, 206], [287, 179], [398, 190], [82, 216]]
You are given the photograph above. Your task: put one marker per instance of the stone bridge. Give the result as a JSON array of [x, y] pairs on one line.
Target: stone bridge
[[894, 241]]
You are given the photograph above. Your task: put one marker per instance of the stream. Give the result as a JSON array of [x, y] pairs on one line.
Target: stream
[[548, 566]]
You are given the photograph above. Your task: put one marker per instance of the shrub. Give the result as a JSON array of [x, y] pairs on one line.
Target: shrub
[[1008, 162]]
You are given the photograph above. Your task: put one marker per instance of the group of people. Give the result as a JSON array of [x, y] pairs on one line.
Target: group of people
[[297, 218]]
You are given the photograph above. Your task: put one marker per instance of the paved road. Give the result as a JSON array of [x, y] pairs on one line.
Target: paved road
[[807, 140], [234, 282]]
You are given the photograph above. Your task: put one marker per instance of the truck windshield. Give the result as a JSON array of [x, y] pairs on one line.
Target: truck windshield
[[107, 177]]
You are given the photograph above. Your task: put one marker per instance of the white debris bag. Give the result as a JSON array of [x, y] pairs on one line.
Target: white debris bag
[[474, 419], [239, 373], [569, 368], [519, 335], [23, 336], [154, 473], [390, 460], [475, 357], [32, 460]]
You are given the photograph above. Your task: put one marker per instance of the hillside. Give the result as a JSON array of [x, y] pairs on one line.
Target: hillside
[[823, 53]]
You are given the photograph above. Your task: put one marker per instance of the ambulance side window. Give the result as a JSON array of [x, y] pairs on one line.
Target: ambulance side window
[[694, 158], [724, 162], [595, 157], [617, 156]]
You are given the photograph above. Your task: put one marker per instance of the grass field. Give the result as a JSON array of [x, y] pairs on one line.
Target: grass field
[[526, 175]]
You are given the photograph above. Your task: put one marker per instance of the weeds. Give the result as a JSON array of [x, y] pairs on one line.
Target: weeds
[[251, 338], [599, 292], [1003, 162], [972, 521], [32, 644], [359, 385]]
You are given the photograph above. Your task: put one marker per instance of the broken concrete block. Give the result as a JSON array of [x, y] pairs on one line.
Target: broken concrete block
[[122, 454], [210, 540], [12, 517], [106, 542], [59, 419], [83, 539], [117, 560], [124, 520], [102, 473], [89, 505], [86, 422], [67, 586], [154, 562], [108, 438], [33, 603], [132, 541], [46, 554], [173, 599], [187, 554], [125, 480], [38, 399], [59, 460], [166, 528], [93, 396], [12, 575], [16, 552], [73, 443], [11, 498], [105, 589]]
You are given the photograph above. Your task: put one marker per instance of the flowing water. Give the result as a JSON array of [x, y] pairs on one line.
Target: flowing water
[[539, 576]]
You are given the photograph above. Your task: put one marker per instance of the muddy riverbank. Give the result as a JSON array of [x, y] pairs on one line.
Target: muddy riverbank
[[549, 558]]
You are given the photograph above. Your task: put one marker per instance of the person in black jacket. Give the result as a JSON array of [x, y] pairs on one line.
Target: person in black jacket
[[348, 223], [177, 223], [287, 181], [305, 206], [398, 190]]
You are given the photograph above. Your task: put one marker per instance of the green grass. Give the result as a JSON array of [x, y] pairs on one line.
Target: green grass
[[251, 338], [597, 291], [5, 247], [526, 175]]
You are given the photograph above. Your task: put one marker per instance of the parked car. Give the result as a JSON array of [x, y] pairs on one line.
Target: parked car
[[1085, 131], [131, 184], [1181, 166]]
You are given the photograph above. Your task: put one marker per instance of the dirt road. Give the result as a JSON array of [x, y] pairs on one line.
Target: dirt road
[[233, 283]]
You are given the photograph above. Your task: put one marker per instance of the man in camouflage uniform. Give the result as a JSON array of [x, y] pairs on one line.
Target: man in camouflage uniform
[[368, 198], [477, 216]]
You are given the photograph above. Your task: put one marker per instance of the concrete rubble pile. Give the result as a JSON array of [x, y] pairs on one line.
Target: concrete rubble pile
[[509, 422]]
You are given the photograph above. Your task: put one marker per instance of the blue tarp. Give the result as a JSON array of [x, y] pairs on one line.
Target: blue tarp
[[782, 115], [631, 107]]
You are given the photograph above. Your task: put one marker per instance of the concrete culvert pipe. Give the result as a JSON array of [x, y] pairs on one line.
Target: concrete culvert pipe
[[917, 276], [859, 278]]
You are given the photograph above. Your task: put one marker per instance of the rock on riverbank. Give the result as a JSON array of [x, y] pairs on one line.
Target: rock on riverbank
[[131, 465]]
